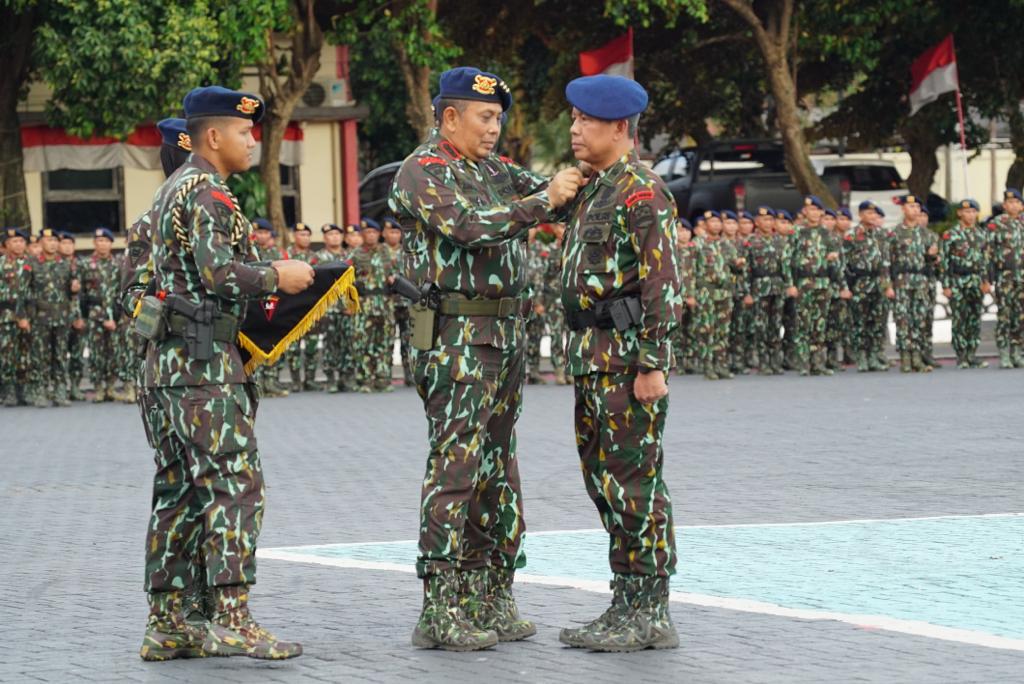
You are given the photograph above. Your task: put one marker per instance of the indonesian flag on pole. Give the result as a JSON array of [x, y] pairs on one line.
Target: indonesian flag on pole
[[933, 73], [614, 58]]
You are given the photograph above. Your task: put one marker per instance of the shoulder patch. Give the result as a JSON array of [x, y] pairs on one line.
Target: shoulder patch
[[425, 161], [639, 196], [223, 199], [507, 160]]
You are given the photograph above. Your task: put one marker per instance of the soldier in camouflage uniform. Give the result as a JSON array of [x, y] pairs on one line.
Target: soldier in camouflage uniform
[[769, 276], [99, 274], [784, 229], [713, 283], [199, 412], [54, 296], [913, 253], [76, 335], [684, 336], [333, 345], [867, 272], [742, 302], [302, 357], [813, 259], [928, 324], [392, 235], [965, 272], [15, 278], [536, 268], [553, 310], [837, 309], [347, 328], [620, 256], [1006, 243], [373, 343], [465, 212]]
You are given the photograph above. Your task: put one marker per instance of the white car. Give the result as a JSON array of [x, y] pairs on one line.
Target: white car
[[860, 180]]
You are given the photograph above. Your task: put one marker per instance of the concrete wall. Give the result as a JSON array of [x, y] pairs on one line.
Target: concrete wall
[[320, 175]]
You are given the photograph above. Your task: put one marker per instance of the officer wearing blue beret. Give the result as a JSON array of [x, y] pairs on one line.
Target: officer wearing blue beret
[[1006, 244], [964, 255], [620, 255]]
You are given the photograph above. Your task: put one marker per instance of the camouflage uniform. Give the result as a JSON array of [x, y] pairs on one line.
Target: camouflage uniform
[[867, 272], [837, 332], [912, 271], [553, 310], [621, 243], [372, 343], [302, 357], [537, 261], [713, 283], [15, 277], [770, 275], [965, 266], [76, 338], [812, 277], [739, 321], [1006, 239], [465, 225], [404, 330], [335, 344], [55, 308], [100, 287], [684, 346]]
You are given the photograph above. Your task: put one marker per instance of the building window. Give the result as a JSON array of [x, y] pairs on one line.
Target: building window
[[290, 193], [78, 201]]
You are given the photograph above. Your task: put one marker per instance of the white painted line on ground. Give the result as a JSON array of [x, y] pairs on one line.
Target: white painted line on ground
[[912, 627]]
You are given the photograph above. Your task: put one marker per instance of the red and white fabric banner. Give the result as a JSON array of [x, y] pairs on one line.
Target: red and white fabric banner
[[52, 149], [933, 73], [614, 58]]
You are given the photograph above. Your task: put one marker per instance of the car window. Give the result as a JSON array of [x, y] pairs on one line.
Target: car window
[[868, 178]]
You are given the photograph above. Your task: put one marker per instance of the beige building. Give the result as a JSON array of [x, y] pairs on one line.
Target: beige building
[[76, 185]]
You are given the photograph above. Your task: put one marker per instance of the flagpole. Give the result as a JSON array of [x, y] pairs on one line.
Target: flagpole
[[963, 130]]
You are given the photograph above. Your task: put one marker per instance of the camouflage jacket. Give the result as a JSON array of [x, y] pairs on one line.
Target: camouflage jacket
[[15, 280], [395, 266], [1006, 245], [272, 253], [808, 254], [768, 261], [304, 255], [865, 251], [734, 250], [100, 282], [686, 255], [373, 266], [464, 231], [552, 277], [964, 257], [910, 265], [621, 241], [537, 261], [711, 267], [202, 258], [52, 302]]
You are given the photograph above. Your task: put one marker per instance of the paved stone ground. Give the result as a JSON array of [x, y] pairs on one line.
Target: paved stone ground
[[347, 468]]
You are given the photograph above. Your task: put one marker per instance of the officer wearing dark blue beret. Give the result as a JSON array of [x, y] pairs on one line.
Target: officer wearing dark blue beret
[[14, 232], [173, 133], [103, 232], [219, 101], [729, 214], [1013, 193], [866, 205], [470, 83], [368, 223], [746, 215], [712, 213], [328, 227], [969, 203], [845, 211], [264, 224], [301, 227], [784, 214], [685, 224], [813, 201], [830, 213], [765, 211]]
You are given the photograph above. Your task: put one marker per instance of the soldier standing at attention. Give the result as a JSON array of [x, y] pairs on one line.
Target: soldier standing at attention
[[466, 212], [77, 331], [784, 229], [100, 285], [928, 324], [912, 255], [739, 323], [373, 343], [302, 358], [712, 299], [965, 283], [1006, 238], [769, 276], [208, 490], [347, 329], [54, 295], [392, 234], [332, 346], [621, 291], [15, 277]]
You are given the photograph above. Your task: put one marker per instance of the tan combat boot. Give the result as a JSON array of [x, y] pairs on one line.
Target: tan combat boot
[[233, 631], [442, 623], [574, 636], [646, 622], [168, 634]]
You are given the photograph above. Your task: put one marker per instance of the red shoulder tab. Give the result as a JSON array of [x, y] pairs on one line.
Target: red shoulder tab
[[424, 161], [223, 199], [639, 196], [945, 236], [993, 226], [507, 160], [27, 267]]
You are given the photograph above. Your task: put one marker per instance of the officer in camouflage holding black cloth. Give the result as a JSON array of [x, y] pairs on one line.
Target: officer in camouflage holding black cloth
[[621, 292], [465, 212], [199, 406]]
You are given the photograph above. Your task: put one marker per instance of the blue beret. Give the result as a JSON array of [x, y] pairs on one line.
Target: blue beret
[[765, 211], [830, 212], [712, 213], [15, 232], [328, 227], [301, 226], [65, 235], [221, 101], [367, 222], [103, 231], [352, 228], [607, 97], [729, 214], [262, 224], [174, 134], [391, 221], [813, 201], [685, 224], [910, 199], [697, 220], [746, 215], [469, 83], [783, 214], [867, 204], [967, 204], [49, 232], [1013, 193], [845, 211]]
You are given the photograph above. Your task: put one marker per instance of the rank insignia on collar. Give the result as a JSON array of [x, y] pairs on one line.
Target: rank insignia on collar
[[248, 105]]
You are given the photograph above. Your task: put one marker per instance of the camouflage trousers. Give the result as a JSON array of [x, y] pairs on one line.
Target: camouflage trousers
[[741, 325], [837, 328], [1009, 296], [125, 358], [76, 356], [966, 307], [714, 311], [534, 332], [620, 447], [404, 335], [208, 491], [790, 323], [335, 342], [372, 351], [910, 312], [103, 354], [471, 511], [302, 359], [928, 324], [868, 315], [556, 327], [48, 370], [767, 327], [350, 338], [8, 356], [811, 324]]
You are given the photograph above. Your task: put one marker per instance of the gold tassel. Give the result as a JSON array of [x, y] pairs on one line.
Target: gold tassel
[[342, 287]]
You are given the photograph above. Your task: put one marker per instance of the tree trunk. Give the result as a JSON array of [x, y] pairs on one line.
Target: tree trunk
[[16, 37], [418, 108], [922, 139], [1015, 176], [281, 93]]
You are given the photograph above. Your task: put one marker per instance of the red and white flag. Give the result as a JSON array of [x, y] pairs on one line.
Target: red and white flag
[[933, 73], [614, 58]]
